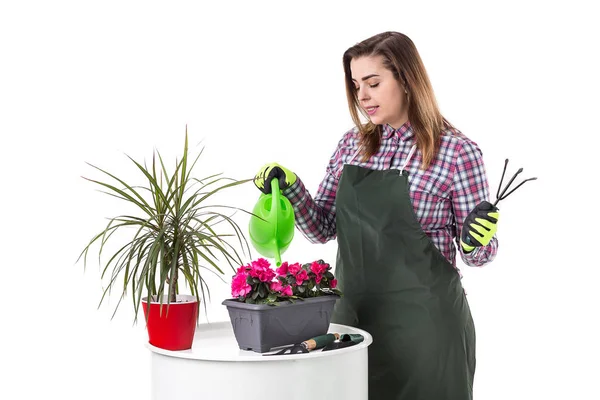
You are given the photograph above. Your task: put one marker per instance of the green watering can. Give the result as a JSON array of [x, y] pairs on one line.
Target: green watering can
[[272, 225]]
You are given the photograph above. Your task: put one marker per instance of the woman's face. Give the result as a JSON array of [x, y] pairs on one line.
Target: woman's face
[[381, 96]]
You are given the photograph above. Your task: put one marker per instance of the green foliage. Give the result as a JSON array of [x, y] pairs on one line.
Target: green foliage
[[174, 234]]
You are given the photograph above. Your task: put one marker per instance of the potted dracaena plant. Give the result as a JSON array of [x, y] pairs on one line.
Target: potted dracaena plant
[[174, 236]]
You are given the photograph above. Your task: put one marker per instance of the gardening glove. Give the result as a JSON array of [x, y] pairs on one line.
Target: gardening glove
[[265, 175], [479, 227]]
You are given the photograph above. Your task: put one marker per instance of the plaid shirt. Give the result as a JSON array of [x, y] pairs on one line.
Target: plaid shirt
[[442, 196]]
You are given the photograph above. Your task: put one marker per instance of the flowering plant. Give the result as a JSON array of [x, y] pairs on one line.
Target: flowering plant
[[258, 283]]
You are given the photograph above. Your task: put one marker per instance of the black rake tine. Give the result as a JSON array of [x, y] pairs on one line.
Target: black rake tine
[[509, 183], [518, 186], [501, 179]]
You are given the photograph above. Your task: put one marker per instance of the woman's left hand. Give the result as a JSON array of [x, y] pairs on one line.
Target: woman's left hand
[[479, 227]]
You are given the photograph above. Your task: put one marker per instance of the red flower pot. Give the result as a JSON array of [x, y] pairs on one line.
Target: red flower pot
[[172, 328]]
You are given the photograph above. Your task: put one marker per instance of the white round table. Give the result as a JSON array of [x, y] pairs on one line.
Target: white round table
[[216, 369]]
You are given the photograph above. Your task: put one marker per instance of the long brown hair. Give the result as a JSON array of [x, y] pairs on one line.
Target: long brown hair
[[402, 58]]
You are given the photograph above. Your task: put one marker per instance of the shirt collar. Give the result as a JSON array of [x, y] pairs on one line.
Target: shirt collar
[[405, 132]]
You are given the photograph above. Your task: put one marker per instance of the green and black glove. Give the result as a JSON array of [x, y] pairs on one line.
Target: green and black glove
[[269, 171], [479, 227]]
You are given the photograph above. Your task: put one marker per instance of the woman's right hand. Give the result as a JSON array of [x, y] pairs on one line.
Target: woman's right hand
[[272, 170]]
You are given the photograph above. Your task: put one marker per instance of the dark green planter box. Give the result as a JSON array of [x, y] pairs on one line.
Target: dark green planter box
[[260, 327]]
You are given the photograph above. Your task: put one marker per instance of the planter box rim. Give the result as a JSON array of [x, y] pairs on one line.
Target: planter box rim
[[280, 304]]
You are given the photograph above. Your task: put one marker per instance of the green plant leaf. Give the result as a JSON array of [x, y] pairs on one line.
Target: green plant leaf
[[138, 200], [261, 290], [180, 235]]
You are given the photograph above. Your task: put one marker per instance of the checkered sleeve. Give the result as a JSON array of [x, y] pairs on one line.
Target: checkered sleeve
[[471, 188], [315, 217]]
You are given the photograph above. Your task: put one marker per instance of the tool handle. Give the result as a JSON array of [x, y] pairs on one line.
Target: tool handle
[[352, 337], [321, 341]]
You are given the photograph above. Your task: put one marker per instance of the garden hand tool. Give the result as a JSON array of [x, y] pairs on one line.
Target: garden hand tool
[[269, 171], [271, 225], [484, 217], [316, 342], [345, 340]]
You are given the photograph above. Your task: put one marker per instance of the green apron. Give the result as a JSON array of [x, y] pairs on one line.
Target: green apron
[[399, 287]]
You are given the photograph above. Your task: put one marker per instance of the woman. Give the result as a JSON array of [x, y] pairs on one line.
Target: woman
[[397, 192]]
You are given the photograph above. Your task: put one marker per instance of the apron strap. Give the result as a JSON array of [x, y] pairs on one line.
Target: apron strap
[[355, 154], [410, 154], [339, 174]]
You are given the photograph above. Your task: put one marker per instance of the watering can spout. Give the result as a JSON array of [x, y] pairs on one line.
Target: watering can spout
[[277, 258], [275, 202], [272, 224]]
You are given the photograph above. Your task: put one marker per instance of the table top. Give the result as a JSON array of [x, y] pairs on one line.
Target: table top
[[216, 342]]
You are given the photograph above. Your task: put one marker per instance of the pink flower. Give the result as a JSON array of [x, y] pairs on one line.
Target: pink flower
[[301, 277], [239, 287], [294, 268], [318, 269], [266, 275], [276, 286], [283, 269], [275, 280], [261, 269], [254, 272], [287, 291], [261, 262]]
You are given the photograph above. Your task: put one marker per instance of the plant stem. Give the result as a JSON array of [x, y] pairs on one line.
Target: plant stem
[[172, 285]]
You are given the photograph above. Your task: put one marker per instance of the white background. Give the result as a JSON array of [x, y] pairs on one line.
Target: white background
[[257, 82]]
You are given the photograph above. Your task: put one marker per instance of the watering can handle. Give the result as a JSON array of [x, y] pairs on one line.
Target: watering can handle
[[275, 202]]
